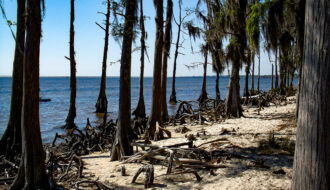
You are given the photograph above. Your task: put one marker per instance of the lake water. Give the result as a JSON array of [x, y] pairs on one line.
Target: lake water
[[53, 113]]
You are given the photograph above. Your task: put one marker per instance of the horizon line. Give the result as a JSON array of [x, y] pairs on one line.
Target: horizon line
[[86, 76]]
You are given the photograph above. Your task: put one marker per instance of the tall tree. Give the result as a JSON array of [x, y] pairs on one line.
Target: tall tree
[[122, 145], [73, 81], [32, 172], [140, 110], [102, 102], [236, 11], [156, 104], [311, 168], [214, 38], [167, 47], [176, 53], [11, 139]]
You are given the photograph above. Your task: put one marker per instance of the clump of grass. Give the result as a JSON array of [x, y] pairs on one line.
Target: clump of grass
[[276, 145]]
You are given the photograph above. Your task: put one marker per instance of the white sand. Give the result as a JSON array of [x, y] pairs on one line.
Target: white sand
[[237, 175]]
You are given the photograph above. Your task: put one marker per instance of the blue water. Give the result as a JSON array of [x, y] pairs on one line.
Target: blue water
[[53, 114]]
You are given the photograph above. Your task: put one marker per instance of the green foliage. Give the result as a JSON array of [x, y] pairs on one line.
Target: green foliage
[[252, 26], [277, 145]]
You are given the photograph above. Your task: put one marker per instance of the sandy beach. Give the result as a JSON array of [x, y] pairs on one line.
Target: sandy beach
[[253, 169]]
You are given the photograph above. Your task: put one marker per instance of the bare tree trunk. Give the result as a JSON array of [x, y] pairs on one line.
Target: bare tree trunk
[[73, 85], [173, 93], [252, 77], [122, 145], [311, 168], [246, 86], [156, 104], [282, 73], [233, 102], [276, 73], [167, 47], [12, 137], [291, 80], [32, 172], [203, 95], [102, 102], [140, 110], [258, 83], [272, 77], [217, 90]]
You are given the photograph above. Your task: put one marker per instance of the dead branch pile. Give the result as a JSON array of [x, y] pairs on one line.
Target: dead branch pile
[[97, 138], [264, 98], [174, 156], [8, 170], [210, 111]]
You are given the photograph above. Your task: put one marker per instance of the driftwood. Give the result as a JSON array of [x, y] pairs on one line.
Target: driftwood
[[98, 184], [174, 155], [149, 179], [212, 141], [198, 178]]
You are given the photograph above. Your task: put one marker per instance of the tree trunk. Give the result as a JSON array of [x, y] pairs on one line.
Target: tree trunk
[[32, 172], [167, 47], [311, 168], [122, 145], [246, 86], [102, 102], [140, 110], [282, 73], [11, 139], [252, 77], [156, 103], [217, 90], [73, 86], [258, 83], [203, 96], [276, 73], [233, 102], [272, 76], [173, 93]]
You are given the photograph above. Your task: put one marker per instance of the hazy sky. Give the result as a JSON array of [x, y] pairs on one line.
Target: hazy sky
[[89, 42]]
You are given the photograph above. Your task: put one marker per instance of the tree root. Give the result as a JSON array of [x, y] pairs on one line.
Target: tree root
[[149, 179]]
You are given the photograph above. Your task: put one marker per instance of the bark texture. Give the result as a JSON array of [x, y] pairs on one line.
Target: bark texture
[[167, 47], [312, 154], [11, 139], [156, 104], [102, 102], [32, 172], [233, 103], [73, 81], [122, 145], [140, 110]]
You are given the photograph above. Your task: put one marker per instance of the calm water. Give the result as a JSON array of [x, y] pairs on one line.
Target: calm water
[[53, 114]]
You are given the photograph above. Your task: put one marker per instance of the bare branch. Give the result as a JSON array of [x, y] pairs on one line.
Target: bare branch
[[100, 26]]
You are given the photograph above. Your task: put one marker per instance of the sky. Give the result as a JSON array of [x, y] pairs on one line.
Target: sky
[[89, 42]]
